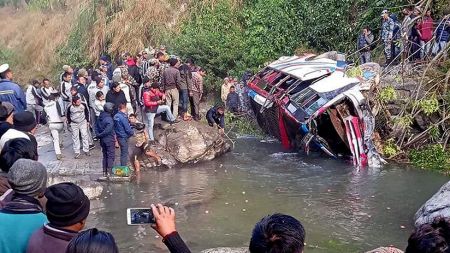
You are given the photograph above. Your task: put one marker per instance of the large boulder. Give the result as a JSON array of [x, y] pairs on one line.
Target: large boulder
[[188, 142], [436, 206]]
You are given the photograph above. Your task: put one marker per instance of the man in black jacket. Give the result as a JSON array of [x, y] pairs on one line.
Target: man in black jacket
[[105, 132], [116, 96]]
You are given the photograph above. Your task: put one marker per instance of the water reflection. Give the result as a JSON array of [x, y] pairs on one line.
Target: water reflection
[[218, 203]]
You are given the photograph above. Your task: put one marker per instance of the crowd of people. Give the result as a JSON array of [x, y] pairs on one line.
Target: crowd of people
[[416, 38], [105, 104]]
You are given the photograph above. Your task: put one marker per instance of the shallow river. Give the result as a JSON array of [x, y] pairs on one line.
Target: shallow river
[[218, 203]]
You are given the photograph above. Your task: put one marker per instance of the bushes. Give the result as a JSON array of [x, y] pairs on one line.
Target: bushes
[[431, 157]]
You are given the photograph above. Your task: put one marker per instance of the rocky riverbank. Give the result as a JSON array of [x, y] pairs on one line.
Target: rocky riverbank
[[178, 144]]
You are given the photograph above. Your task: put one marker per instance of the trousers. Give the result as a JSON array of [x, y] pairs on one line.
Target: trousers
[[77, 130], [364, 57], [184, 101], [109, 154], [56, 130], [173, 100], [123, 144], [196, 97], [151, 119]]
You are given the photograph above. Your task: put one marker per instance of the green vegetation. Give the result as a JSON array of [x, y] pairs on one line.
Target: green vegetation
[[243, 125], [431, 157]]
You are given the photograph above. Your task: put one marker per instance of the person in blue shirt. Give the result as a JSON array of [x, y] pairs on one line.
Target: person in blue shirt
[[123, 131], [10, 91]]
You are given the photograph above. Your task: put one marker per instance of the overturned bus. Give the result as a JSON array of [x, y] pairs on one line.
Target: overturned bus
[[310, 103]]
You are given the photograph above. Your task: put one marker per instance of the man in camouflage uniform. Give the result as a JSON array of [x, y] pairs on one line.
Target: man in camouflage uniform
[[387, 30]]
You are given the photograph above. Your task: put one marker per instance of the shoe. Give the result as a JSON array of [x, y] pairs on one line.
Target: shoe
[[77, 155], [91, 147], [175, 121], [61, 145], [58, 156], [87, 153], [95, 139]]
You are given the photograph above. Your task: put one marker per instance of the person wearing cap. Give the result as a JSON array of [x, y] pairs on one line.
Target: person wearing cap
[[11, 91], [67, 209], [24, 126], [105, 132], [55, 122], [6, 117], [23, 214], [78, 119], [387, 33]]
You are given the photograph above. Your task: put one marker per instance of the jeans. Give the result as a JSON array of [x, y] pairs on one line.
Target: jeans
[[151, 119], [184, 101], [56, 131], [109, 154], [123, 144]]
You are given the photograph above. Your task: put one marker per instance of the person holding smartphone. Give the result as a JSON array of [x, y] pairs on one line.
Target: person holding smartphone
[[165, 226]]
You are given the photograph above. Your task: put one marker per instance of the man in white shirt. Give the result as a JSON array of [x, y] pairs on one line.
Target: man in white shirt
[[55, 122], [34, 99]]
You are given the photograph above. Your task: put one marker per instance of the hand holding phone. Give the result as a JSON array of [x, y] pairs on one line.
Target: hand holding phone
[[165, 219]]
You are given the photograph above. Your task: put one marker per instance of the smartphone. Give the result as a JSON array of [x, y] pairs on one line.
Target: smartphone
[[140, 216]]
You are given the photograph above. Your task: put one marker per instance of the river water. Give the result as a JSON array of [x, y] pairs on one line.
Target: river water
[[217, 203]]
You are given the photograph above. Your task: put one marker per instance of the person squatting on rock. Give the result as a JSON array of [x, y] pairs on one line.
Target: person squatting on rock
[[171, 79], [67, 209], [233, 102], [141, 145], [123, 132], [278, 233], [216, 117], [78, 119], [55, 122], [154, 104], [105, 132], [365, 40], [23, 213]]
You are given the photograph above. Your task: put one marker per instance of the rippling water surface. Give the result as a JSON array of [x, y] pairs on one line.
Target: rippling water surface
[[218, 202]]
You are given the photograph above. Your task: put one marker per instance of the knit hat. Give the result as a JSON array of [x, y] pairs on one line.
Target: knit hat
[[27, 177], [108, 107], [6, 108], [66, 204], [24, 121]]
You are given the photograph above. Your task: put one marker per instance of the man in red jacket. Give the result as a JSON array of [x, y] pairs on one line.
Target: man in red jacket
[[426, 29], [154, 102]]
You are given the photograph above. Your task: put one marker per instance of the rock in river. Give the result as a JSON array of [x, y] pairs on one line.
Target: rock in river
[[226, 250], [436, 206]]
